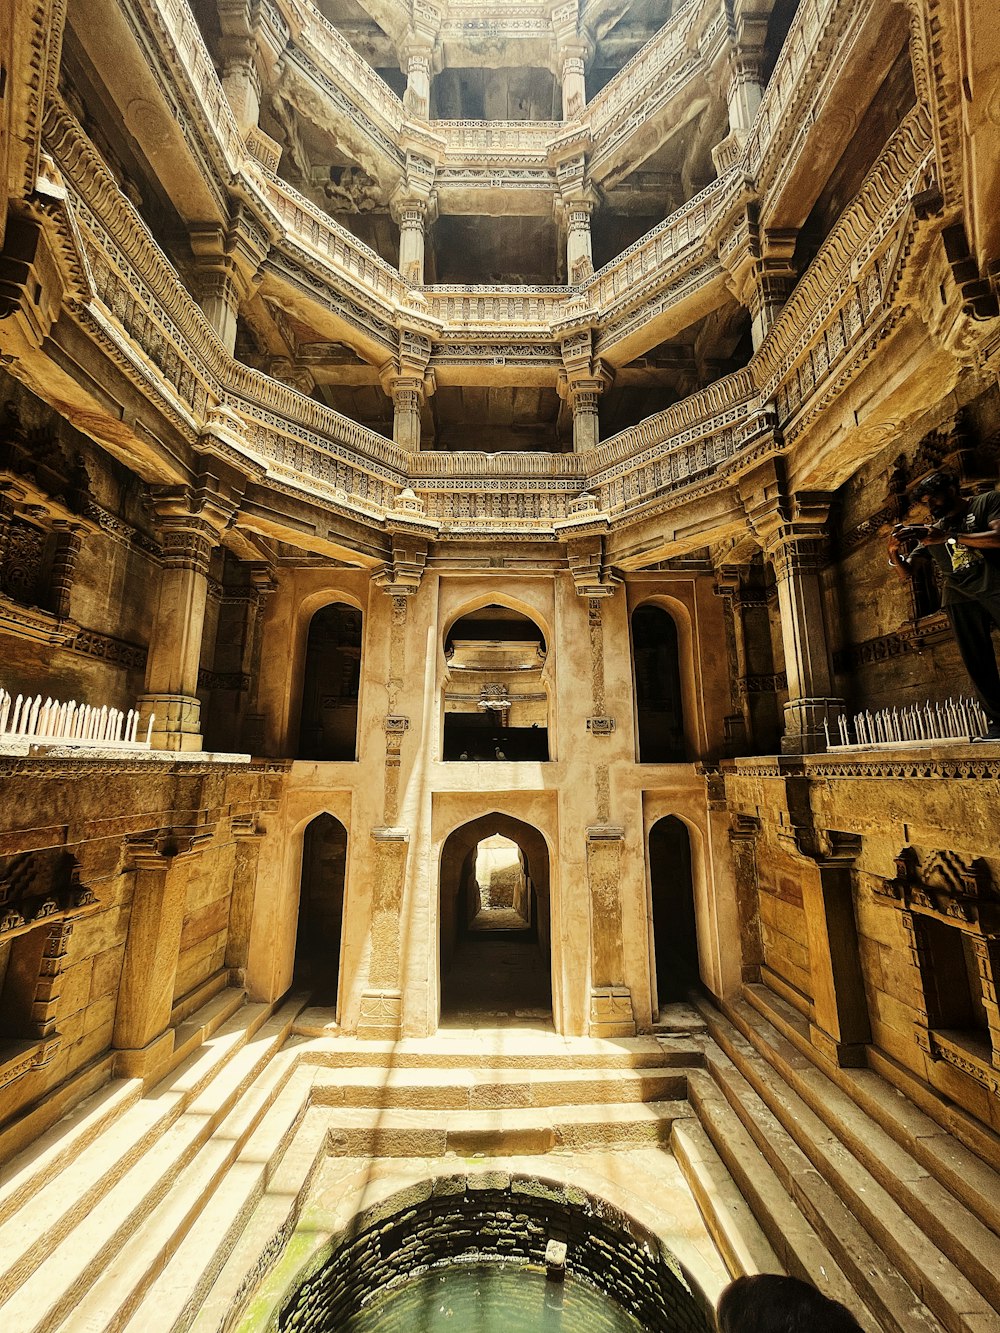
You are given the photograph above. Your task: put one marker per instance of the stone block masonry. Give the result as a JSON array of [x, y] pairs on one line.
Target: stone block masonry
[[497, 1219]]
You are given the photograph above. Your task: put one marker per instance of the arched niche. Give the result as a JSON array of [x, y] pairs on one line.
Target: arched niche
[[500, 970], [661, 701], [328, 721], [496, 705], [319, 932], [675, 954]]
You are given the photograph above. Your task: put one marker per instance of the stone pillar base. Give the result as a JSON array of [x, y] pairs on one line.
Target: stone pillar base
[[147, 1062], [381, 1015], [177, 721], [843, 1054], [611, 1012], [804, 718]]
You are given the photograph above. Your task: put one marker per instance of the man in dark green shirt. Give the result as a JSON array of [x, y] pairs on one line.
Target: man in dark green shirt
[[964, 541]]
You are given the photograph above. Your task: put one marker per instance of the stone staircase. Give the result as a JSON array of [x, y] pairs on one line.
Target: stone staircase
[[162, 1211], [851, 1184]]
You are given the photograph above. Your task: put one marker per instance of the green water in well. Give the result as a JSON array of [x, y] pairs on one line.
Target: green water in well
[[491, 1298]]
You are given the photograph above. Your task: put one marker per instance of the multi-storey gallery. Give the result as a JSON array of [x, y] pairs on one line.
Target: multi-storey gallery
[[474, 785]]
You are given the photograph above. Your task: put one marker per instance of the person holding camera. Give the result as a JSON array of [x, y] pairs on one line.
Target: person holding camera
[[963, 539]]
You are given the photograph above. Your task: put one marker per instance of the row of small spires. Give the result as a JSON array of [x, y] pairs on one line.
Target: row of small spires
[[954, 719], [53, 723]]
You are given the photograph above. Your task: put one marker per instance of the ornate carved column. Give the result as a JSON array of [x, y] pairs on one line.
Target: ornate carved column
[[142, 1036], [417, 98], [791, 531], [191, 522], [581, 384], [579, 248], [760, 263], [227, 262], [744, 85], [237, 47], [265, 585], [408, 382], [381, 1013], [69, 543], [409, 215], [571, 66]]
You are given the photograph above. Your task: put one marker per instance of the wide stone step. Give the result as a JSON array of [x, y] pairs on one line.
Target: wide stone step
[[802, 1248], [903, 1277], [423, 1088], [521, 1132], [212, 1197], [28, 1172], [500, 1048], [55, 1245], [911, 1213]]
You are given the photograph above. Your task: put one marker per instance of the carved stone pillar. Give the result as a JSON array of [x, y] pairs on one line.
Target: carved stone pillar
[[227, 262], [241, 84], [791, 530], [774, 279], [253, 722], [410, 215], [407, 399], [219, 297], [572, 77], [69, 543], [584, 397], [191, 523], [142, 1036], [417, 98], [579, 249], [760, 263], [237, 49]]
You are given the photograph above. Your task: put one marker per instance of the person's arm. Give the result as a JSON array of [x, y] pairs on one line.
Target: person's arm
[[987, 540]]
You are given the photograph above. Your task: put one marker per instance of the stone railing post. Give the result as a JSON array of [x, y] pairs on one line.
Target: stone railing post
[[191, 523]]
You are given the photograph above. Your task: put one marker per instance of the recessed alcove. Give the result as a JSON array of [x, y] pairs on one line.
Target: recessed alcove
[[495, 699]]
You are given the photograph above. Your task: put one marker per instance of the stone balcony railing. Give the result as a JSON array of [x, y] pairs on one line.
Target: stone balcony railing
[[136, 309]]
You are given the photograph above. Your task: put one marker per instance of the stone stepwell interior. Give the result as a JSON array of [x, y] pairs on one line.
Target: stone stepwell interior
[[448, 453]]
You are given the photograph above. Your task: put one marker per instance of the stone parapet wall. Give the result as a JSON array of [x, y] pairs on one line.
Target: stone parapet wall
[[868, 874]]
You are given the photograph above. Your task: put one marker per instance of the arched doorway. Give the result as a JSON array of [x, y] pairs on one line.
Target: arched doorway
[[675, 934], [495, 704], [321, 910], [494, 925], [329, 721], [659, 708]]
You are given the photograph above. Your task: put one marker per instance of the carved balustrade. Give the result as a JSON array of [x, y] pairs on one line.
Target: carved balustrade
[[130, 302]]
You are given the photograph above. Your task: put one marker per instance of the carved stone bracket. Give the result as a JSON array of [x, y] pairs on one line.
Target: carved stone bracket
[[945, 885]]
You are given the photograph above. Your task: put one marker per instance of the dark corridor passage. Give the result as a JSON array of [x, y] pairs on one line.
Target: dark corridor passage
[[321, 910], [675, 935]]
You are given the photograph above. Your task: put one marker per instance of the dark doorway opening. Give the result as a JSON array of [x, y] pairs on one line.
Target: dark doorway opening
[[329, 725], [658, 687], [321, 910], [675, 933], [495, 965]]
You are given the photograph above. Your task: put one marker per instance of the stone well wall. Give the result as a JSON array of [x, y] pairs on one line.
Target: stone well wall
[[500, 1219]]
